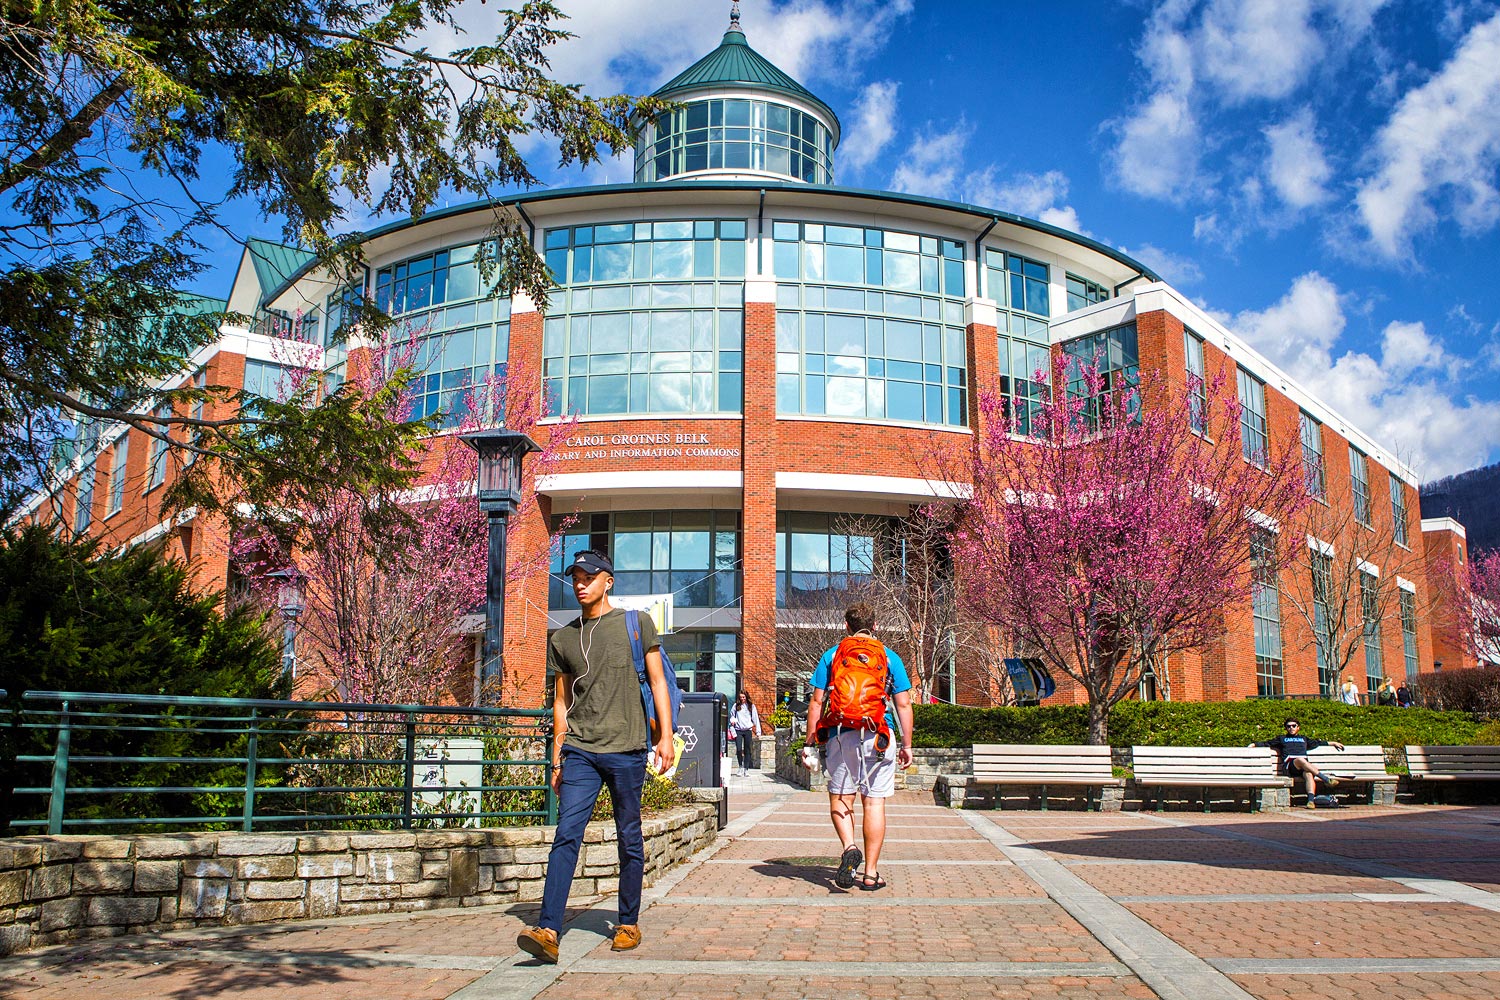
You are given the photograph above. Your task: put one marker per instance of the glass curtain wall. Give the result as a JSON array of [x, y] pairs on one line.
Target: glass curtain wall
[[1116, 353], [692, 554], [1083, 293], [735, 134], [820, 556], [1266, 606], [869, 323], [1019, 286], [649, 320], [449, 318]]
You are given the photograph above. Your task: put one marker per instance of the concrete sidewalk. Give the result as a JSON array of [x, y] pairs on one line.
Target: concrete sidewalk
[[1362, 902]]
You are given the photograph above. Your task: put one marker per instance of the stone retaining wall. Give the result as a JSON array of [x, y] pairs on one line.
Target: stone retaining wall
[[56, 889]]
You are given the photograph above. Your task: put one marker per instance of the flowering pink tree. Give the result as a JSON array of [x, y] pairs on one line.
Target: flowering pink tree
[[1480, 617], [1116, 529], [386, 595]]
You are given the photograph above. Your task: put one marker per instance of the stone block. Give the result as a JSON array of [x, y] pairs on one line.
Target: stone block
[[425, 888], [102, 876], [178, 845], [273, 866], [435, 869], [607, 886], [529, 890], [202, 898], [381, 841], [365, 908], [61, 914], [393, 866], [265, 911], [12, 888], [62, 849], [158, 877], [359, 893], [322, 843], [106, 847], [325, 866], [463, 872], [209, 868], [522, 836], [275, 889], [532, 855], [14, 938], [323, 897], [50, 882], [447, 839], [120, 911], [600, 854], [497, 855], [249, 845], [20, 855]]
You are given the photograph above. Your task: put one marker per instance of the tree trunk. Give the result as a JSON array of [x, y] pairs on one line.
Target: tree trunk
[[1098, 722]]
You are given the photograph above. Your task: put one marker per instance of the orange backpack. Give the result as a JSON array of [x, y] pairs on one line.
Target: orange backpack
[[857, 682]]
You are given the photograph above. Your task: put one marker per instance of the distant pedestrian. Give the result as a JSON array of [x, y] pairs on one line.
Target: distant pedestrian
[[1292, 748], [744, 726], [1404, 697], [850, 710], [601, 735], [1349, 692], [1385, 694]]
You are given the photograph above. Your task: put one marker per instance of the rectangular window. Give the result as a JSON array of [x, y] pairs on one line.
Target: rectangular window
[[820, 556], [156, 472], [1398, 511], [692, 554], [1083, 292], [1312, 455], [1369, 603], [117, 475], [1197, 382], [1322, 589], [1360, 477], [1409, 630], [1116, 353], [195, 435], [1266, 608], [83, 513], [1255, 442]]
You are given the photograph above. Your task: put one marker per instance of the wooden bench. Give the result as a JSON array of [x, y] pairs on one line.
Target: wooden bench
[[1046, 765], [1358, 764], [1453, 763], [1252, 768]]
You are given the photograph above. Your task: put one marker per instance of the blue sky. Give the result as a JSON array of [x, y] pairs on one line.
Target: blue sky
[[1320, 174]]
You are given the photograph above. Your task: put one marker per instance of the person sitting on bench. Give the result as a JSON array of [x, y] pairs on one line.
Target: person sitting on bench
[[1292, 747]]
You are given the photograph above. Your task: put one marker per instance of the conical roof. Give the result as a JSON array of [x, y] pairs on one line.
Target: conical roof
[[734, 65]]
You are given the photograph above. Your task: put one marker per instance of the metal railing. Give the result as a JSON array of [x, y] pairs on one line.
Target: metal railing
[[74, 762]]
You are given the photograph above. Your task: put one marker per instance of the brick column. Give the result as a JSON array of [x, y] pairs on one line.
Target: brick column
[[526, 590], [976, 683], [758, 455]]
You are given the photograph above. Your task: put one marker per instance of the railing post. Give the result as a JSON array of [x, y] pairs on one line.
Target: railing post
[[58, 795], [252, 745], [411, 763], [550, 795]]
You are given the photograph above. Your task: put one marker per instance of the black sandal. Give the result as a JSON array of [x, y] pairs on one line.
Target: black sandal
[[868, 886], [844, 877]]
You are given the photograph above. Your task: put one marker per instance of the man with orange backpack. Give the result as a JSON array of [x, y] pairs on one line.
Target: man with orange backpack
[[850, 710]]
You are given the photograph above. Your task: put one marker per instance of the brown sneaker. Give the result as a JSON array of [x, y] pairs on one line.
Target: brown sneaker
[[627, 936], [540, 942]]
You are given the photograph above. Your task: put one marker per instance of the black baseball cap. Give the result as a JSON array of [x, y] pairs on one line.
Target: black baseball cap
[[590, 561]]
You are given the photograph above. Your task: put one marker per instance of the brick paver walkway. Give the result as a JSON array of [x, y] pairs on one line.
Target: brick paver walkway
[[1360, 903]]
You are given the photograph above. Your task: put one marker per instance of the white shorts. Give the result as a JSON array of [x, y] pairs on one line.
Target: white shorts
[[855, 766]]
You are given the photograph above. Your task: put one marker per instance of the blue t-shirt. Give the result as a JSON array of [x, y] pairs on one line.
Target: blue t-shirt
[[899, 680]]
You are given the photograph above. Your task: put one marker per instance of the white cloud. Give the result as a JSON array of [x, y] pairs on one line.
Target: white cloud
[[1036, 196], [1172, 267], [932, 165], [872, 128], [1439, 150], [1253, 49], [1296, 167], [1410, 400]]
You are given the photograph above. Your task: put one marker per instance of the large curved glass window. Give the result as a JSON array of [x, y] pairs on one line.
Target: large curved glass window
[[461, 331], [819, 557], [735, 134], [692, 554], [1019, 287], [650, 318], [889, 348]]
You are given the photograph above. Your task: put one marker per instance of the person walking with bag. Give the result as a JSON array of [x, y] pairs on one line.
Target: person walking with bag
[[850, 710], [601, 735], [744, 725]]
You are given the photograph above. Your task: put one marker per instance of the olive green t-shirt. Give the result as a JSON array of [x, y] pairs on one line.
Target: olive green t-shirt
[[607, 715]]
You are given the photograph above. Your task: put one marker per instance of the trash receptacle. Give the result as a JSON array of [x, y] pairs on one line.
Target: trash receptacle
[[701, 724]]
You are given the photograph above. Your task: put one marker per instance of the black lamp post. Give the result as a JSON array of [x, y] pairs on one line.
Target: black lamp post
[[501, 452], [291, 600]]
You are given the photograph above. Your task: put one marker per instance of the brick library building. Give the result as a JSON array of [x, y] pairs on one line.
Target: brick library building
[[758, 360]]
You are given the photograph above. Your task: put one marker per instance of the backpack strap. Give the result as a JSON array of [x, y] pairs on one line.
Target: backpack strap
[[633, 629]]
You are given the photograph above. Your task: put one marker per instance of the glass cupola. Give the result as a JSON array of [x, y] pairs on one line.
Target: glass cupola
[[739, 118]]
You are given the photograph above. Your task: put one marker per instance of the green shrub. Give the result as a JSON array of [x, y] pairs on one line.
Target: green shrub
[[1489, 734], [1176, 723]]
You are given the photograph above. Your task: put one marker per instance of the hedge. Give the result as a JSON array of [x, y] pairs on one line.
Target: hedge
[[1172, 723]]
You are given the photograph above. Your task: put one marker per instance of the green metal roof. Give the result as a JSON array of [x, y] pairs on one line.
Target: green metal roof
[[735, 65], [275, 263], [193, 304]]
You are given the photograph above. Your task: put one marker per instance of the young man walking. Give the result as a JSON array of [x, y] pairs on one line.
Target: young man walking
[[601, 742], [1292, 747], [864, 744]]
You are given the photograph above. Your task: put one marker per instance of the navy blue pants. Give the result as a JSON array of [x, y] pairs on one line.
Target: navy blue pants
[[584, 775]]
